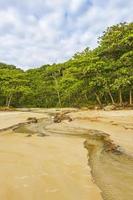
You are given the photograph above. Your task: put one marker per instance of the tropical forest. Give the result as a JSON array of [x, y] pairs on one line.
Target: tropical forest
[[99, 76]]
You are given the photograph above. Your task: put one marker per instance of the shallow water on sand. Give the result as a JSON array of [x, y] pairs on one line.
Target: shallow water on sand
[[112, 172]]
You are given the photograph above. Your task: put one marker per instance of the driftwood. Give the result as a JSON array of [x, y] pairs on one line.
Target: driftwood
[[59, 117]]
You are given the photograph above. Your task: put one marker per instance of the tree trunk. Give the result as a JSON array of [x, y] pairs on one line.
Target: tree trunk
[[98, 100], [111, 97], [59, 99], [120, 98], [86, 98], [58, 93], [8, 103], [7, 100], [130, 97]]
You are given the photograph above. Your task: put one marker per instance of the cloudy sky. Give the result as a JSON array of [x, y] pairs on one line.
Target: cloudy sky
[[37, 32]]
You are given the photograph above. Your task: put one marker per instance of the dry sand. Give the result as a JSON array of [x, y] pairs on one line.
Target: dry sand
[[8, 119]]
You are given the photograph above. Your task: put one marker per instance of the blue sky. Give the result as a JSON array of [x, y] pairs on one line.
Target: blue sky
[[37, 32]]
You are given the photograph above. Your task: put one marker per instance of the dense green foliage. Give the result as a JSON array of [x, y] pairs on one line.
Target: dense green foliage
[[101, 76]]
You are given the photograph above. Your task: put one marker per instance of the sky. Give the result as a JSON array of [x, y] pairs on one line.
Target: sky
[[38, 32]]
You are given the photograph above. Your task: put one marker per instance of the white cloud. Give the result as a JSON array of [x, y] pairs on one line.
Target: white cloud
[[33, 33]]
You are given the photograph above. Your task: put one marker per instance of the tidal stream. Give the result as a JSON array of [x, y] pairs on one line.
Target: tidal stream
[[111, 168]]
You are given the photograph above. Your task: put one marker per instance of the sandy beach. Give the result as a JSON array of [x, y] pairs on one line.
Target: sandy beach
[[43, 168], [56, 166]]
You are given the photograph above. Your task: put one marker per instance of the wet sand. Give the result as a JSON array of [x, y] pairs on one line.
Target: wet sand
[[112, 169]]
